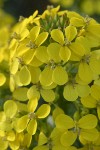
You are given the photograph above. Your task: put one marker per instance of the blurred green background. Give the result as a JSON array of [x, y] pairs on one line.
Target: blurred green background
[[27, 7], [23, 7]]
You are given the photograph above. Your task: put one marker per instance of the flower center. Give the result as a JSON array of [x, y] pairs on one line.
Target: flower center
[[86, 59]]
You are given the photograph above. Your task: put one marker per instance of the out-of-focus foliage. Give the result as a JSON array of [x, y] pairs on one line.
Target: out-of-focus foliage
[[89, 7], [63, 3], [6, 22], [1, 3], [5, 19], [53, 63]]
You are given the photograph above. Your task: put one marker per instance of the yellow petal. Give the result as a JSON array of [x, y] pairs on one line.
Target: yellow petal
[[32, 127], [79, 81], [95, 91], [35, 73], [53, 52], [20, 94], [41, 38], [21, 107], [42, 139], [14, 65], [65, 53], [77, 48], [46, 76], [52, 86], [2, 116], [57, 36], [35, 62], [57, 111], [35, 14], [2, 133], [55, 136], [10, 136], [24, 33], [25, 76], [83, 90], [77, 22], [74, 57], [14, 145], [6, 126], [3, 144], [22, 48], [33, 92], [43, 111], [22, 123], [27, 140], [94, 29], [70, 32], [28, 56], [41, 54], [2, 79], [95, 64], [42, 147], [34, 32], [70, 93], [32, 105], [48, 95], [88, 122], [10, 108], [62, 79], [17, 79], [85, 72], [63, 121], [72, 148], [72, 14], [82, 140], [89, 135], [68, 138], [83, 41], [59, 146], [89, 101], [98, 112]]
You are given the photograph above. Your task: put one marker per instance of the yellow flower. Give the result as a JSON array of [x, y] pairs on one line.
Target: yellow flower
[[36, 90], [93, 100], [8, 115], [29, 121], [85, 128], [90, 144], [21, 140], [72, 92], [53, 142]]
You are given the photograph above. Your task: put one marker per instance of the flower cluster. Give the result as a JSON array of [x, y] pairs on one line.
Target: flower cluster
[[54, 65]]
